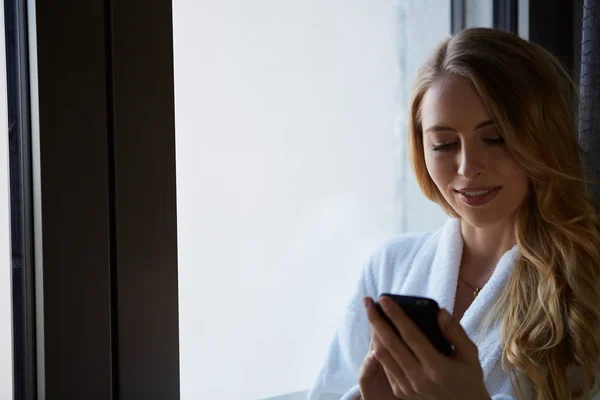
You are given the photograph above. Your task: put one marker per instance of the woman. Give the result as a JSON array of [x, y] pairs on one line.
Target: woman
[[493, 140]]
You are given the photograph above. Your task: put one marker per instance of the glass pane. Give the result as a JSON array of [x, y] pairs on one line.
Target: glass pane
[[479, 13], [291, 168]]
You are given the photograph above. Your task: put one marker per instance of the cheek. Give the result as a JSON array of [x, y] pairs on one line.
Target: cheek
[[439, 167], [508, 168], [513, 173]]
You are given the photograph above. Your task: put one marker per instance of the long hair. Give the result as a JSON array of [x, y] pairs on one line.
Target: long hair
[[550, 308]]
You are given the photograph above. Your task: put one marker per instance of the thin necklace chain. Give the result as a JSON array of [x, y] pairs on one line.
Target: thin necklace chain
[[475, 290]]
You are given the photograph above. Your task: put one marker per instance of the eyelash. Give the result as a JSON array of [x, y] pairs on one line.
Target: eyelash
[[445, 146]]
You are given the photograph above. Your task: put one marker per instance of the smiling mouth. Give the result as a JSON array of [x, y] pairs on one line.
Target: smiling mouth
[[473, 193], [476, 197]]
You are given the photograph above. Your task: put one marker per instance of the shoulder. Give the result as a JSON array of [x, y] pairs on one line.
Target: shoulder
[[391, 260], [402, 246]]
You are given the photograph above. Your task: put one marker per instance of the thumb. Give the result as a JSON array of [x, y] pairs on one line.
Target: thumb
[[369, 379], [464, 347], [368, 369]]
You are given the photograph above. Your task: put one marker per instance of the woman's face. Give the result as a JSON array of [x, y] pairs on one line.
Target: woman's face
[[466, 155]]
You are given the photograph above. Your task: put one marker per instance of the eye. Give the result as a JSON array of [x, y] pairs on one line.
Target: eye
[[494, 141], [443, 146]]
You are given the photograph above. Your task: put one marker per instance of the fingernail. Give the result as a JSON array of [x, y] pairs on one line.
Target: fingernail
[[385, 304], [366, 302], [445, 317]]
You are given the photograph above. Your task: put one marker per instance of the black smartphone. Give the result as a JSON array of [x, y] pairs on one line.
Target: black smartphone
[[424, 312]]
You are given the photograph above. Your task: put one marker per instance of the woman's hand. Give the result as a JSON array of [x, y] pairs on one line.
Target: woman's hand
[[414, 368], [373, 381]]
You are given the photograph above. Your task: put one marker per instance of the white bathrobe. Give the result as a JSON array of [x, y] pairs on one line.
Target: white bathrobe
[[424, 264]]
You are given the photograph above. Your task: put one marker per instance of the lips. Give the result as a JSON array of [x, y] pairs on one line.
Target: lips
[[476, 197]]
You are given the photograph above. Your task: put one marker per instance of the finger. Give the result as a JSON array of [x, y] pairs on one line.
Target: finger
[[464, 348], [390, 340], [397, 379], [370, 365], [368, 369], [412, 335]]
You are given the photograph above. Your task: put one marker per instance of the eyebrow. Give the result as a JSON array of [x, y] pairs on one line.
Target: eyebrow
[[439, 128]]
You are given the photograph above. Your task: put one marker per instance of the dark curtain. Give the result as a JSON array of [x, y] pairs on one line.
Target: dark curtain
[[589, 119]]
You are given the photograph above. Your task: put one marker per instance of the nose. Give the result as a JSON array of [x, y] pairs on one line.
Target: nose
[[471, 163]]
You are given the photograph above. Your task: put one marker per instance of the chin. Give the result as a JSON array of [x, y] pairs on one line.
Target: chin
[[482, 218]]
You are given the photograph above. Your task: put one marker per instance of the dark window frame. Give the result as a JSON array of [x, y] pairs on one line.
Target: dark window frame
[[505, 15], [556, 25], [458, 16], [21, 200], [107, 156]]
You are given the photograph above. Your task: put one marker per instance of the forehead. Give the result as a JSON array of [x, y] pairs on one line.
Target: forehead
[[452, 101]]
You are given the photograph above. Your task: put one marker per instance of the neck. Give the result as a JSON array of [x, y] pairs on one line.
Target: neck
[[483, 247]]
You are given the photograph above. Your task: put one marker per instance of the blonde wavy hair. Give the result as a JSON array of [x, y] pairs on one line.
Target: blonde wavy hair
[[550, 308]]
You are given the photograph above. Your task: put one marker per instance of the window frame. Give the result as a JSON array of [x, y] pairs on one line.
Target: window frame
[[556, 25], [107, 180], [505, 15], [21, 199]]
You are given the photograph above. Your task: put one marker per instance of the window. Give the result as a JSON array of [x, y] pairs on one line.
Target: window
[[291, 168]]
